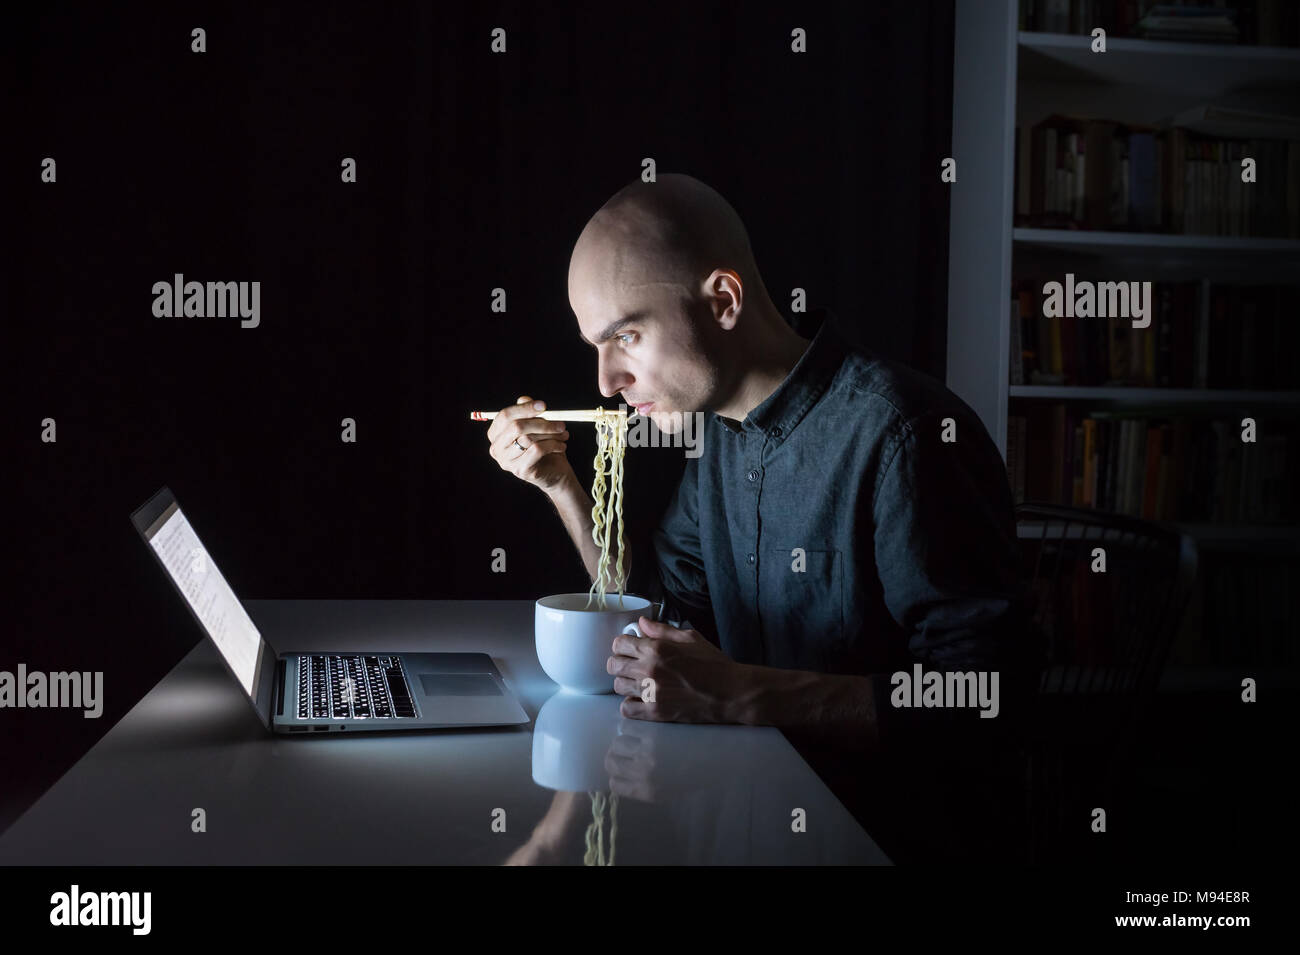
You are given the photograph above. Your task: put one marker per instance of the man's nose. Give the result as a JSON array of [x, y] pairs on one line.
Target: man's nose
[[611, 380]]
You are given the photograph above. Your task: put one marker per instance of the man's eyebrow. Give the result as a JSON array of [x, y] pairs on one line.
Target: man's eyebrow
[[610, 330]]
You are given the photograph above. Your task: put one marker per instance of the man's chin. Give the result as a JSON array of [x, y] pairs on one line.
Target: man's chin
[[666, 421], [673, 422]]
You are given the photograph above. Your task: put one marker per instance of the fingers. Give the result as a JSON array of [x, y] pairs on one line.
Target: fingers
[[626, 645], [523, 405], [630, 674], [505, 432], [511, 459], [522, 410], [627, 668], [665, 631], [507, 451], [522, 464], [627, 686], [636, 710]]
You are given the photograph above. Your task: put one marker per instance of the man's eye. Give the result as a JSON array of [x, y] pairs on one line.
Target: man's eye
[[626, 335]]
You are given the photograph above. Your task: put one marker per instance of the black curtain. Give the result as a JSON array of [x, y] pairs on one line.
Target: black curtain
[[475, 171]]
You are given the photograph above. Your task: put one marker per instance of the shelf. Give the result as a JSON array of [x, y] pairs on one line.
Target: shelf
[[1150, 256], [1179, 678], [1074, 240], [1241, 532], [1196, 70], [1204, 533], [1154, 396], [1226, 677]]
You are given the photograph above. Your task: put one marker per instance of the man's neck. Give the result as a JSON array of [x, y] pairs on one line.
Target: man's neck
[[766, 370]]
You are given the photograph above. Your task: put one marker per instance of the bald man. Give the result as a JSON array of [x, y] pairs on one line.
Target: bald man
[[825, 538]]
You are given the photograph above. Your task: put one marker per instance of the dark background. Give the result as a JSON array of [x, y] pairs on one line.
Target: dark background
[[475, 171]]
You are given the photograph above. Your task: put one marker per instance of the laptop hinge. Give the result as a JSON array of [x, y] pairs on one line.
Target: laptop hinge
[[280, 673]]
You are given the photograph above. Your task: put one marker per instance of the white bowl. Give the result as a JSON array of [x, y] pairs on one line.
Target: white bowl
[[573, 644]]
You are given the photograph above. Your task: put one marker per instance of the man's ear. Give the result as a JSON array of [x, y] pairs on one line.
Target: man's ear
[[726, 294]]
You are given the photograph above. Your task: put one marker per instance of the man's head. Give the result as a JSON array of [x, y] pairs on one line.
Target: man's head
[[663, 282]]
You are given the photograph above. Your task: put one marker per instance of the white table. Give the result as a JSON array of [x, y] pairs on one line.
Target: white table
[[689, 794]]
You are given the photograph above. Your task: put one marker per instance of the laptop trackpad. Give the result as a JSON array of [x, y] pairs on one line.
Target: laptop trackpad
[[458, 684]]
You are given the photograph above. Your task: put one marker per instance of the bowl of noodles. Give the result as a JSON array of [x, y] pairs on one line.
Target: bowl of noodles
[[575, 637]]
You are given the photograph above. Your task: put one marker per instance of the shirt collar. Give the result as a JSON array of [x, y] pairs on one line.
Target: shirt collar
[[780, 412]]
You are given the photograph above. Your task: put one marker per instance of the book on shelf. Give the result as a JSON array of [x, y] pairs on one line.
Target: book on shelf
[[1155, 467], [1017, 434], [1094, 174], [1243, 338]]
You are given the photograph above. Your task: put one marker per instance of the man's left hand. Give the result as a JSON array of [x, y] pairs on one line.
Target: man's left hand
[[691, 680]]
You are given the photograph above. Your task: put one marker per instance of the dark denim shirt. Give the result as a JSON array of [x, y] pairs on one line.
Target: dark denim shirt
[[835, 530]]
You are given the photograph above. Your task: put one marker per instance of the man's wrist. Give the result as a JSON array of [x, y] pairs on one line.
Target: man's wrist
[[831, 705], [754, 698], [565, 488]]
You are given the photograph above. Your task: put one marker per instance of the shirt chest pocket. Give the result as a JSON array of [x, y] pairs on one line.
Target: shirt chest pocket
[[801, 591]]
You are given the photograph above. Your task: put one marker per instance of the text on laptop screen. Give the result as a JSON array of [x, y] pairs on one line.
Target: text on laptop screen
[[211, 598]]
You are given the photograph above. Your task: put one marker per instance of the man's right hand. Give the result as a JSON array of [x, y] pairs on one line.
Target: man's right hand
[[542, 461]]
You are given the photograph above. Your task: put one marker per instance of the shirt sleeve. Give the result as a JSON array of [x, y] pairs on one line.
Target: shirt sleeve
[[671, 569], [949, 565]]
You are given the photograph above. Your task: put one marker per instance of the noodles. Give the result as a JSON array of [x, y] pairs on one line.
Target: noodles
[[611, 445], [595, 854]]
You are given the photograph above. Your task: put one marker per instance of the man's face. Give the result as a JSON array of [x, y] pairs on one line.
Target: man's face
[[657, 358]]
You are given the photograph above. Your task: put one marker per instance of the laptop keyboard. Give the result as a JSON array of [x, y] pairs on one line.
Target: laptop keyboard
[[353, 687]]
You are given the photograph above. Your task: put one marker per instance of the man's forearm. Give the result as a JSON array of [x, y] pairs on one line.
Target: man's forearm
[[823, 707]]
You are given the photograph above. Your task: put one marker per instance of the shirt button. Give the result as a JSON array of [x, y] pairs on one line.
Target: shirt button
[[753, 474], [750, 558], [776, 432]]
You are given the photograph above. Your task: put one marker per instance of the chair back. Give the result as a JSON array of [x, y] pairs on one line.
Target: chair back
[[1108, 593]]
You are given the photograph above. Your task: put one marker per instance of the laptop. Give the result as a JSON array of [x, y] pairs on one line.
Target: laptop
[[308, 691]]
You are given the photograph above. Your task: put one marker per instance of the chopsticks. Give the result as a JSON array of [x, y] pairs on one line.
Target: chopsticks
[[597, 414]]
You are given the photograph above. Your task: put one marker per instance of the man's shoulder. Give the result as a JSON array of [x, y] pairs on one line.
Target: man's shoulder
[[891, 388]]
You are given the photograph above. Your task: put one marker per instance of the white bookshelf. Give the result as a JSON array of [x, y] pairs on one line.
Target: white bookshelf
[[1003, 77]]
